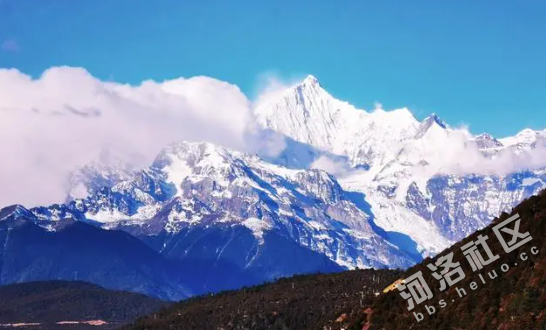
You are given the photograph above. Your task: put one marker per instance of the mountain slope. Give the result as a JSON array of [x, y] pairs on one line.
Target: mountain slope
[[309, 114], [57, 301], [301, 302], [193, 261], [71, 250]]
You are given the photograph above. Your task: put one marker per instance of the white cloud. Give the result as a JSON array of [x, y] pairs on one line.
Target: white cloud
[[271, 86], [57, 123], [456, 153], [338, 168], [506, 161]]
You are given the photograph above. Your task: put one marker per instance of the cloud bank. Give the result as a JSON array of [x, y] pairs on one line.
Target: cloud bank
[[65, 119]]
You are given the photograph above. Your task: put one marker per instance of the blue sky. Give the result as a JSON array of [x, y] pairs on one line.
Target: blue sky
[[482, 63]]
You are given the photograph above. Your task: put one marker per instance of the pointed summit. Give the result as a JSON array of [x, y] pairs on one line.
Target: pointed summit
[[14, 212], [311, 85], [486, 141], [306, 113], [433, 118], [428, 123], [310, 80]]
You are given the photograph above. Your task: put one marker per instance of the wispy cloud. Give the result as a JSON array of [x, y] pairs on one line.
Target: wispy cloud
[[336, 167], [9, 45]]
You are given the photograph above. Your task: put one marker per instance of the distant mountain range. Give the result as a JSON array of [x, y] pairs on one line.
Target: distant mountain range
[[350, 189]]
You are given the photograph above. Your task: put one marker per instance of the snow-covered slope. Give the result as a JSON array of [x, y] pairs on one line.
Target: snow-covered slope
[[525, 137], [308, 114], [203, 185]]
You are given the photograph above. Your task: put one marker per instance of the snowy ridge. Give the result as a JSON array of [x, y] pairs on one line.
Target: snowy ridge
[[525, 137], [203, 185]]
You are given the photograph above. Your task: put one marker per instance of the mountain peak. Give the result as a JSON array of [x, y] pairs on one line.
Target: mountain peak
[[195, 152], [310, 85], [485, 136], [310, 80], [433, 118], [526, 136], [486, 141], [14, 211], [527, 131], [428, 123]]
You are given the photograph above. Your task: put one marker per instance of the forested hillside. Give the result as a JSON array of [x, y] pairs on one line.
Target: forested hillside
[[300, 302], [515, 299], [51, 302]]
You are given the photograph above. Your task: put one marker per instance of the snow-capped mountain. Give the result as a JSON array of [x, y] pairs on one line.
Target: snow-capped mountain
[[422, 178], [308, 114], [408, 180], [351, 189]]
